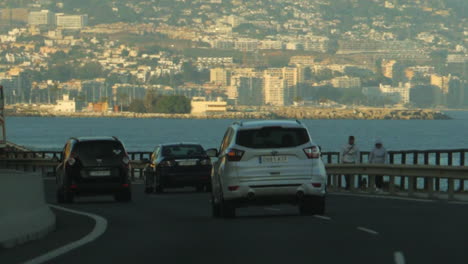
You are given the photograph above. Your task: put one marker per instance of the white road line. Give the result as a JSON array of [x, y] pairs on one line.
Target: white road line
[[271, 209], [322, 217], [367, 230], [383, 197], [99, 229], [399, 257]]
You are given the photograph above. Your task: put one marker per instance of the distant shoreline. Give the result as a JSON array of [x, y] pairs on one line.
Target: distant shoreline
[[279, 113]]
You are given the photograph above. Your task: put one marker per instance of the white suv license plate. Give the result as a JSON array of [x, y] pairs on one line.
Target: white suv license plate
[[274, 159], [99, 173]]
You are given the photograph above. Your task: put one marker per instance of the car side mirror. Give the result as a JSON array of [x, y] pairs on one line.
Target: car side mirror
[[212, 153]]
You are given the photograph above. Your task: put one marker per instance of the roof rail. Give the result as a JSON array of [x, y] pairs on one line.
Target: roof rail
[[299, 122], [114, 137]]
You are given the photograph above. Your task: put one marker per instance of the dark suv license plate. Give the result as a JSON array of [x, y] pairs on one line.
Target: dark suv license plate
[[99, 173]]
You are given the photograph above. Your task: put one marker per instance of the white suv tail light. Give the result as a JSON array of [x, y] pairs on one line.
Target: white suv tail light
[[312, 152]]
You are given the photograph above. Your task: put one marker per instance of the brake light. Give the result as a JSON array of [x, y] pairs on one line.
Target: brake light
[[73, 186], [235, 155], [312, 152], [233, 188], [167, 163], [72, 159], [125, 185], [317, 185]]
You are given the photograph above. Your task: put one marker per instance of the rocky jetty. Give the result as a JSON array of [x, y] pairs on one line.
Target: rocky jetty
[[277, 113]]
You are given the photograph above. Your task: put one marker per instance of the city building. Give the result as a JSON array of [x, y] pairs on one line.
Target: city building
[[346, 82], [65, 105], [43, 17], [220, 76], [274, 90], [250, 91], [387, 68], [442, 82], [200, 105], [399, 94], [71, 21]]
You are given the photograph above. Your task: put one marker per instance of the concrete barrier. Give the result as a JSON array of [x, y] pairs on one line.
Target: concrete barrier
[[24, 214]]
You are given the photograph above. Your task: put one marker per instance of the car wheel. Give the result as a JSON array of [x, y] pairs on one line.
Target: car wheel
[[215, 208], [149, 190], [312, 206], [227, 209], [158, 186], [68, 197], [319, 205], [60, 198], [123, 197]]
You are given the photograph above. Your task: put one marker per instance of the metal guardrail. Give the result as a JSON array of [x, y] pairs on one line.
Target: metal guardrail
[[406, 172], [408, 178]]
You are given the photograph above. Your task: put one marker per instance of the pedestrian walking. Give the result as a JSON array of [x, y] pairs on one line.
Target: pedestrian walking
[[378, 155], [349, 154]]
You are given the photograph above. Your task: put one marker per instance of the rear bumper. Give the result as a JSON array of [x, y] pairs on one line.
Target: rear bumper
[[271, 200], [100, 188], [189, 178], [283, 192]]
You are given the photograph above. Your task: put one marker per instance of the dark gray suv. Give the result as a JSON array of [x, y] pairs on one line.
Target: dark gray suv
[[93, 166]]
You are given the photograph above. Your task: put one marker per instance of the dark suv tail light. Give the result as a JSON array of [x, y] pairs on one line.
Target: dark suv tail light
[[234, 155], [312, 152]]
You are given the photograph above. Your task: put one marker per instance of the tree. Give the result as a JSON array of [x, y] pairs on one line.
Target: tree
[[137, 106]]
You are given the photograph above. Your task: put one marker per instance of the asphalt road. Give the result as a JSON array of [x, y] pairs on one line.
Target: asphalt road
[[177, 227]]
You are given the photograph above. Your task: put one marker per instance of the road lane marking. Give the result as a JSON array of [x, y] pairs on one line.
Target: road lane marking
[[99, 229], [399, 257], [322, 217], [271, 209], [383, 197], [367, 230]]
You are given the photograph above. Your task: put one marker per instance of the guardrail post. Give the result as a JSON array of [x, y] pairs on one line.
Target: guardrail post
[[426, 180], [351, 182], [450, 189], [437, 180], [411, 186], [371, 183], [391, 185], [402, 178], [430, 187], [415, 179]]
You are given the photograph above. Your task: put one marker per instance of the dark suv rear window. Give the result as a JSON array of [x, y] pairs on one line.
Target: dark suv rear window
[[99, 149], [183, 151], [272, 137]]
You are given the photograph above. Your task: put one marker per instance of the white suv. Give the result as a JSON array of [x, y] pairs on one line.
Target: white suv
[[267, 162]]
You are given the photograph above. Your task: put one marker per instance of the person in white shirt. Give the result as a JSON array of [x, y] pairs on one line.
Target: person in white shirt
[[349, 154], [378, 156]]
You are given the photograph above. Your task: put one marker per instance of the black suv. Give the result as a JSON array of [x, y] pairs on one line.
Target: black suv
[[93, 166]]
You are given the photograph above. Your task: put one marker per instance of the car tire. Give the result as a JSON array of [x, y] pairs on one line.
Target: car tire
[[312, 206], [215, 208], [60, 198], [123, 197], [68, 197], [158, 186], [149, 190], [227, 209], [319, 205]]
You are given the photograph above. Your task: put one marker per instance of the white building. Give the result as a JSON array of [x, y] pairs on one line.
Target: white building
[[71, 21], [43, 17], [346, 82], [400, 94], [66, 105], [275, 90], [201, 106]]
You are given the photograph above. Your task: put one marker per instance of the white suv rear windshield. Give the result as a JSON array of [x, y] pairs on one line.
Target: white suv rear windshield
[[272, 137]]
